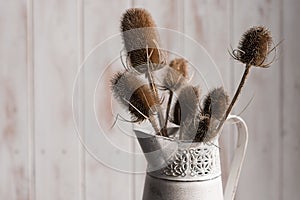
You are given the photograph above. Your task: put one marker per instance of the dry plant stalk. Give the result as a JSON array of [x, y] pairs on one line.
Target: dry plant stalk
[[253, 50], [175, 78], [214, 106], [199, 123], [141, 42]]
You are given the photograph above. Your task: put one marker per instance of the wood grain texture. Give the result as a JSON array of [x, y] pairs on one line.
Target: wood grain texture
[[291, 98], [14, 153], [57, 146], [103, 179], [260, 177]]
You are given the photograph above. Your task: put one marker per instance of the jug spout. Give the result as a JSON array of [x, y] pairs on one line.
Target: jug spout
[[157, 149]]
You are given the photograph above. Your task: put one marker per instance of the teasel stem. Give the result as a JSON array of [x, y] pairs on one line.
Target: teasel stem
[[152, 85], [168, 109], [234, 99], [154, 125], [159, 109]]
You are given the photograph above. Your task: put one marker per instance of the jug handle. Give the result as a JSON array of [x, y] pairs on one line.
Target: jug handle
[[239, 155]]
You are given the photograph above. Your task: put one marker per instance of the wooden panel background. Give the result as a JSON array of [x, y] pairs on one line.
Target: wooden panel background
[[42, 44]]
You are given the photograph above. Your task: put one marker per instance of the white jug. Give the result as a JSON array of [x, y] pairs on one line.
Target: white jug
[[182, 170]]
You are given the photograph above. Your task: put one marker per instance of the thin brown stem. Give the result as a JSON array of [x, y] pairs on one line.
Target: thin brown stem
[[159, 109], [235, 97], [154, 125], [168, 109]]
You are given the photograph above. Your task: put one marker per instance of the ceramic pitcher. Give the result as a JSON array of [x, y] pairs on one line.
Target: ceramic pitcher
[[183, 170]]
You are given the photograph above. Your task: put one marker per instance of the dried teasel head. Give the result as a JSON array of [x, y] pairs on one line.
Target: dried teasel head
[[142, 102], [187, 104], [123, 84], [215, 103], [202, 129], [176, 74], [180, 65], [135, 95], [254, 47], [141, 39], [173, 79]]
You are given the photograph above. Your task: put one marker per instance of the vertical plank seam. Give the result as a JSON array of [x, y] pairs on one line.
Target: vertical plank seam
[[281, 104], [30, 98], [81, 98]]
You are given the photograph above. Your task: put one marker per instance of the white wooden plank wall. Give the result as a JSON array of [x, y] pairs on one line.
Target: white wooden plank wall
[[101, 20], [55, 63], [14, 137], [42, 44], [262, 164], [290, 74]]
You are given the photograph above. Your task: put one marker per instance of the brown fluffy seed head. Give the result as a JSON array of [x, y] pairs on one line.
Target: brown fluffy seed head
[[144, 102], [254, 46], [173, 79], [138, 31], [215, 103], [188, 101], [126, 87], [180, 65], [202, 129], [123, 84]]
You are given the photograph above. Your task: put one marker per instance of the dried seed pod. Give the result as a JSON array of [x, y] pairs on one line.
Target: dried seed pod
[[188, 99], [253, 50], [180, 65], [123, 84], [185, 112], [202, 129], [173, 80], [131, 92], [254, 46], [140, 39], [188, 128], [176, 74], [216, 103], [144, 103]]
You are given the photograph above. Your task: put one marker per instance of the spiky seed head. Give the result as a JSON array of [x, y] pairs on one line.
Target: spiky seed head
[[173, 79], [180, 65], [202, 129], [188, 128], [143, 101], [138, 31], [126, 87], [216, 103], [188, 99], [123, 84], [254, 46], [136, 18]]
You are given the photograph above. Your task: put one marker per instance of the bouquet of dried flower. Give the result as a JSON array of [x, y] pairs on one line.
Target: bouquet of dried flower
[[138, 90]]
